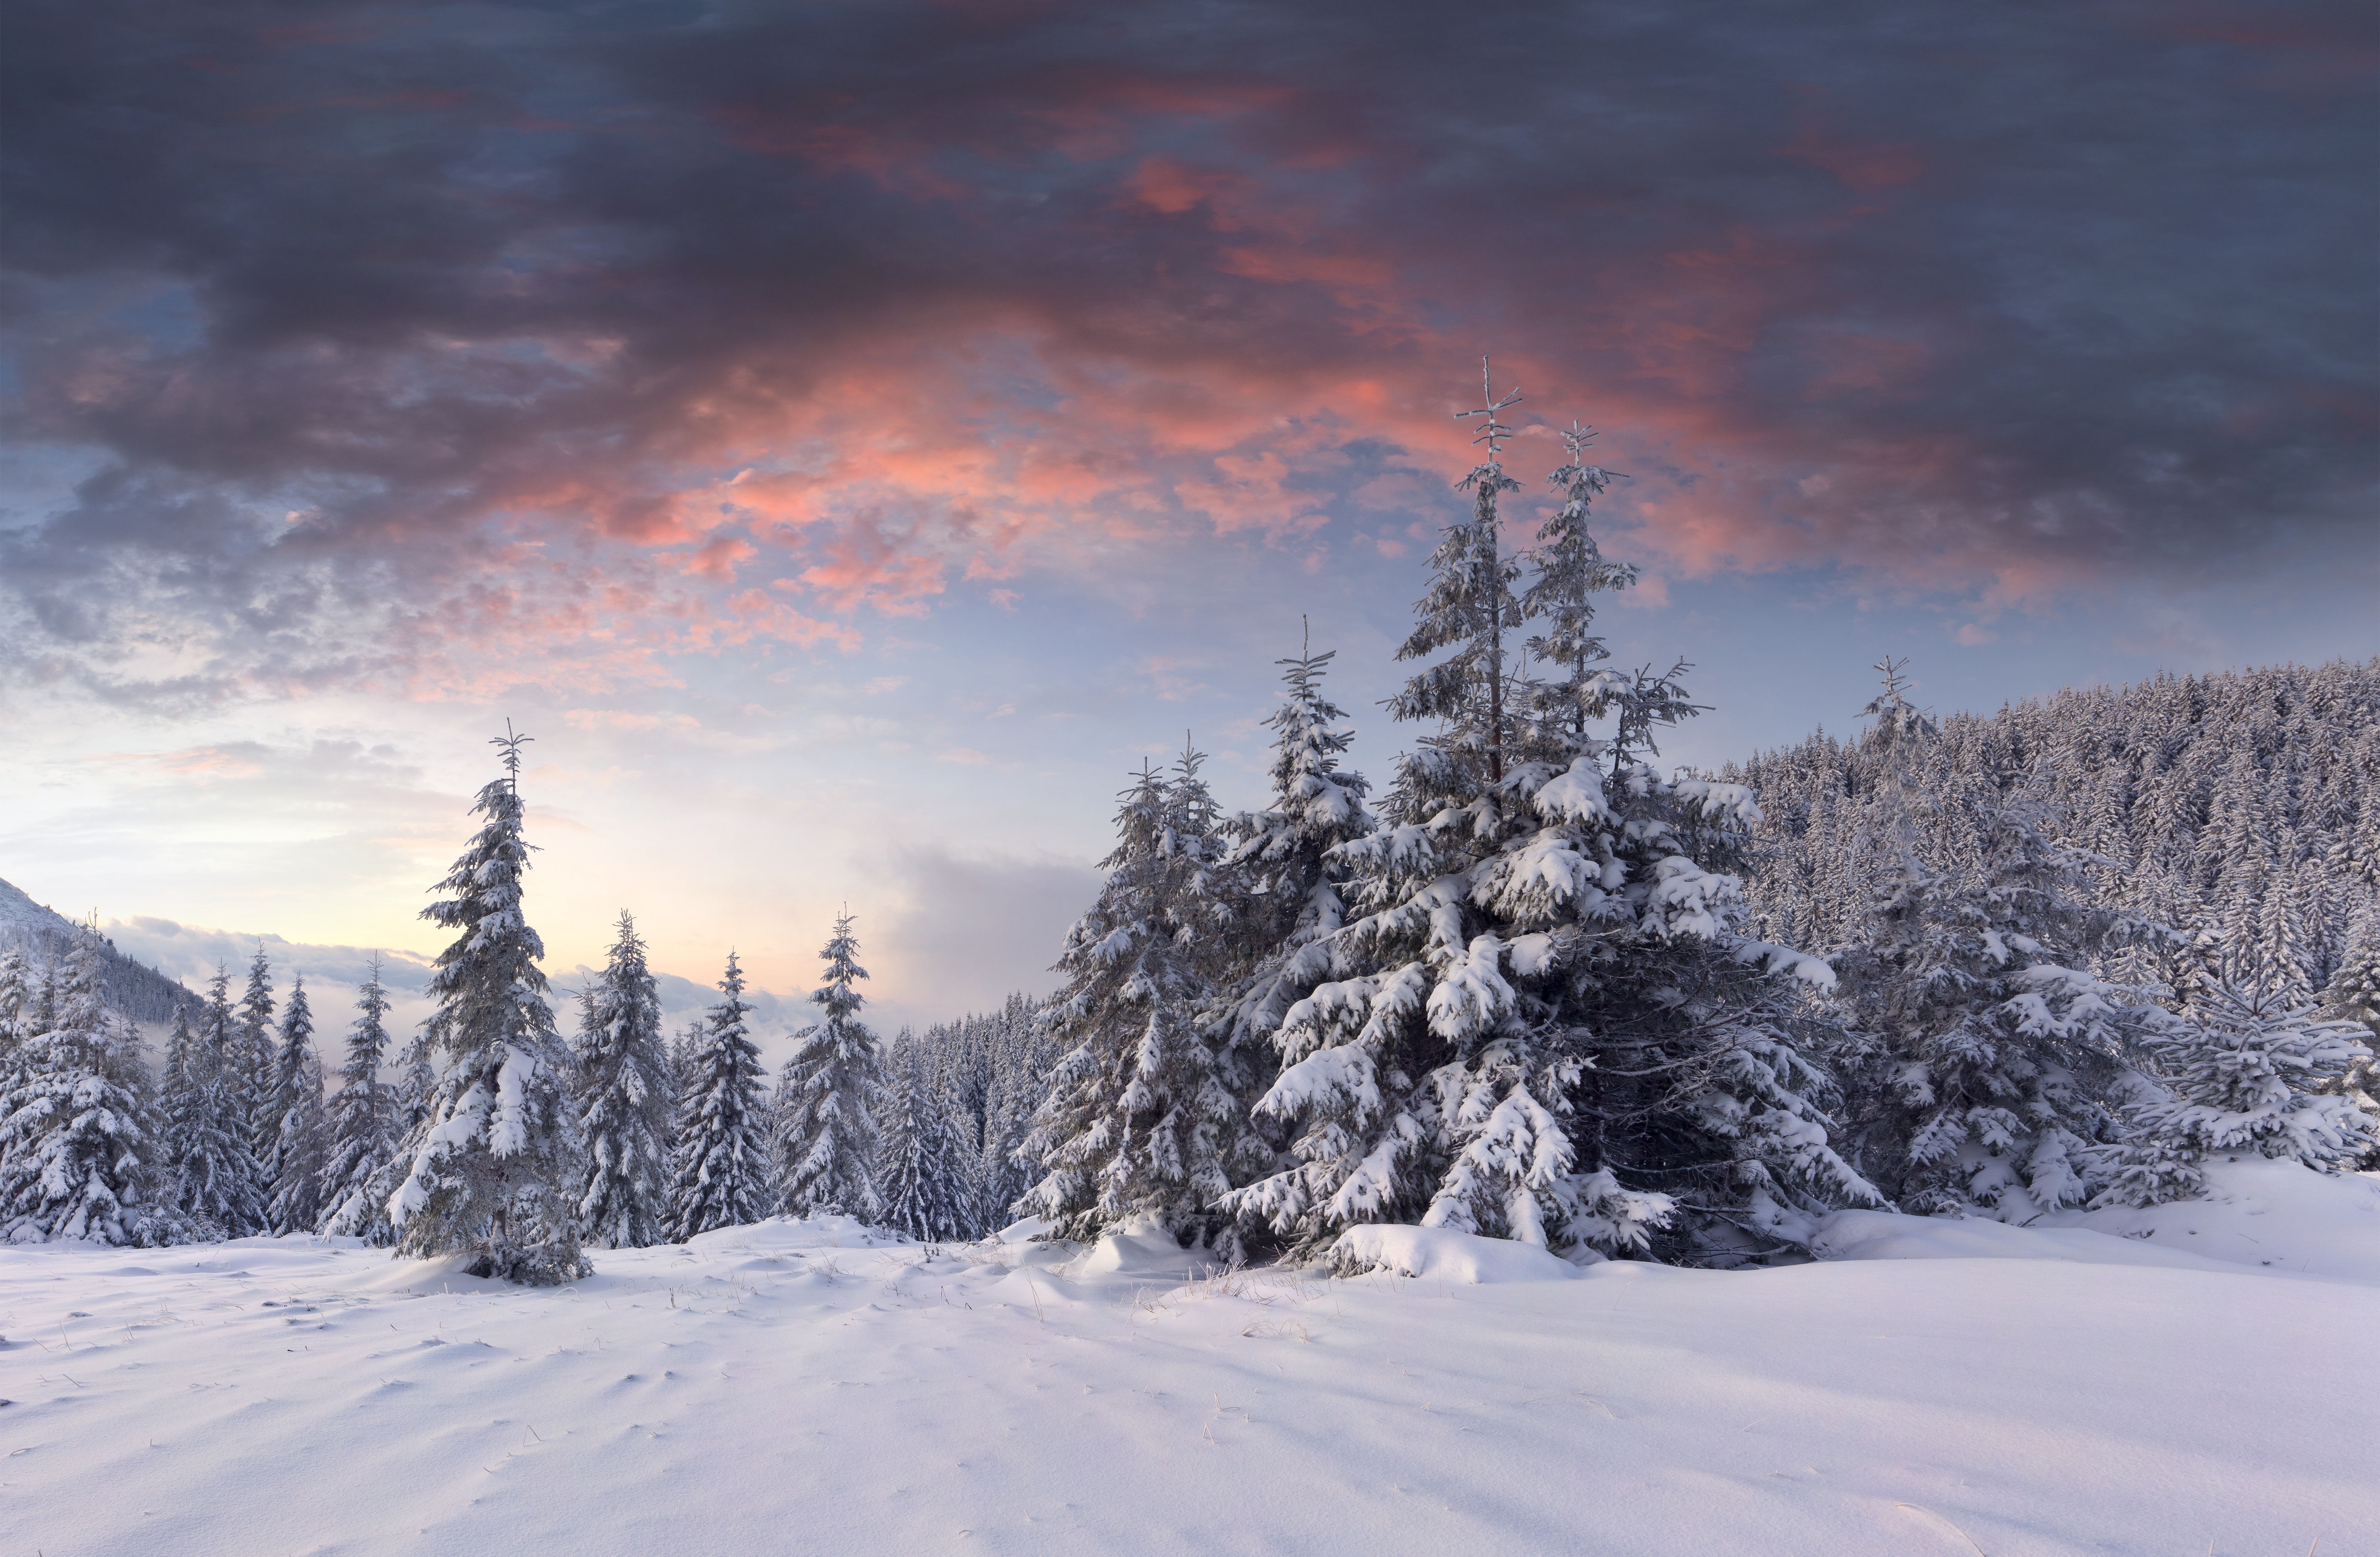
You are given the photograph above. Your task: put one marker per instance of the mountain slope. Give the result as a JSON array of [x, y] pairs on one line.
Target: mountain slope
[[141, 993]]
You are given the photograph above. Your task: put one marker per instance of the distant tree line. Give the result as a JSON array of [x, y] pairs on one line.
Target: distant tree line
[[498, 1135]]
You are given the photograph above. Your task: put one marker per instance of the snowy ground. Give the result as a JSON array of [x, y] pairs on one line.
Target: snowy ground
[[808, 1387]]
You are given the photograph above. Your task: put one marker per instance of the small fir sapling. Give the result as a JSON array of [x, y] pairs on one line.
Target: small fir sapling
[[2354, 995], [829, 1096]]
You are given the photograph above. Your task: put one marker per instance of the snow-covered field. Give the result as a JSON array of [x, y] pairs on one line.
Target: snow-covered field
[[1936, 1387]]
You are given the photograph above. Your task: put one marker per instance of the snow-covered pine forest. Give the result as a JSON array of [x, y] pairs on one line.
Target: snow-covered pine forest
[[2241, 807]]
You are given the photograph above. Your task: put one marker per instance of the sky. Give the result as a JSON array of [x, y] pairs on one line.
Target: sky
[[849, 438]]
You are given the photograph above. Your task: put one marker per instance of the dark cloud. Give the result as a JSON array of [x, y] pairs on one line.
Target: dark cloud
[[356, 303]]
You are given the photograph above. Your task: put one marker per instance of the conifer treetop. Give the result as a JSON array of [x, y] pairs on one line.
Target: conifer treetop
[[835, 996], [1897, 719], [1491, 430], [510, 744], [256, 1006]]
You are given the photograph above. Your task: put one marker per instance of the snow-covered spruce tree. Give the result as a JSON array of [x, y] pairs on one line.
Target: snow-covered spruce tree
[[1021, 1057], [15, 1005], [80, 1144], [2353, 994], [495, 1169], [184, 1062], [829, 1096], [1288, 886], [720, 1174], [356, 1169], [1568, 570], [415, 1091], [1467, 607], [1546, 1023], [1985, 1053], [2243, 1071], [252, 1071], [626, 1098], [919, 1175], [682, 1050], [216, 1179], [296, 1204], [301, 1138], [1141, 1119]]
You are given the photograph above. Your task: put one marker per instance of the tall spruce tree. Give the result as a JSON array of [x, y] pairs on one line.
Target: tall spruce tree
[[356, 1170], [1141, 1118], [301, 1138], [218, 1181], [1546, 1023], [80, 1153], [495, 1169], [829, 1095], [721, 1176], [252, 1066], [178, 1086], [1290, 881], [626, 1098]]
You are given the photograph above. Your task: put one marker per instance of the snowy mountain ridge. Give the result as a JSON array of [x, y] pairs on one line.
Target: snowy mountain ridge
[[132, 988], [22, 920]]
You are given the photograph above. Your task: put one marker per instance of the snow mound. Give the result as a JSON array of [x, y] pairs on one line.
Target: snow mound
[[2278, 1218], [2265, 1215], [1885, 1235], [791, 1234], [1024, 1232], [1141, 1247], [1441, 1253]]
